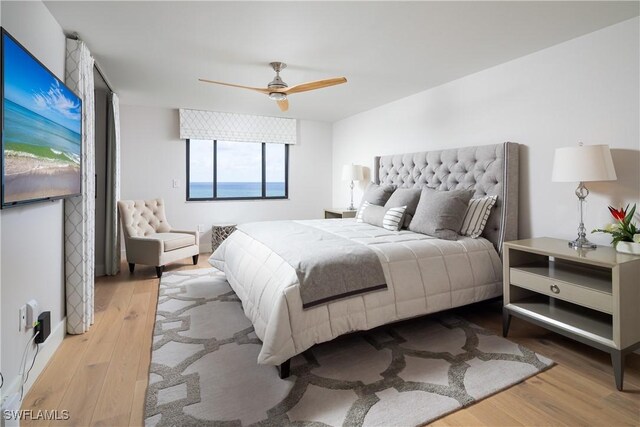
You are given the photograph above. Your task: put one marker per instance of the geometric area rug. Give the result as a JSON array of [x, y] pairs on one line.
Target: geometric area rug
[[204, 370]]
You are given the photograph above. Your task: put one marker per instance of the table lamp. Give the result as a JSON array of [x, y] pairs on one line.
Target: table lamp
[[582, 164], [352, 173]]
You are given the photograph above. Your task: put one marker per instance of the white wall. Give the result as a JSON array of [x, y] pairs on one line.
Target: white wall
[[153, 155], [32, 236], [586, 89]]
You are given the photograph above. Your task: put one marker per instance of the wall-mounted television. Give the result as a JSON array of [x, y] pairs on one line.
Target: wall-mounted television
[[41, 130]]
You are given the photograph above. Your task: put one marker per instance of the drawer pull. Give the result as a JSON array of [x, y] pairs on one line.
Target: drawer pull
[[555, 289]]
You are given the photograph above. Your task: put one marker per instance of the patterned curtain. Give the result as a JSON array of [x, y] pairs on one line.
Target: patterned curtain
[[79, 212], [112, 240]]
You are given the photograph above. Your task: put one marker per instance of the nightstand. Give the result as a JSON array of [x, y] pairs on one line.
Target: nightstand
[[590, 295], [339, 213]]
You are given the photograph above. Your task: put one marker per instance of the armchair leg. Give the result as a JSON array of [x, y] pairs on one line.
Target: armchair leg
[[159, 271], [132, 266], [195, 259]]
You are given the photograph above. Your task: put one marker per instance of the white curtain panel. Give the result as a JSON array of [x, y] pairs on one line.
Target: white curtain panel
[[112, 240], [79, 212], [198, 124]]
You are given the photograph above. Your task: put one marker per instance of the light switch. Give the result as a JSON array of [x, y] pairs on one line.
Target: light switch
[[176, 183]]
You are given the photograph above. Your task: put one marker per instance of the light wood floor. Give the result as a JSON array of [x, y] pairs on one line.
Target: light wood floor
[[101, 376]]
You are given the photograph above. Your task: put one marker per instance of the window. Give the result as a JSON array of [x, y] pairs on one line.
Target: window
[[221, 170]]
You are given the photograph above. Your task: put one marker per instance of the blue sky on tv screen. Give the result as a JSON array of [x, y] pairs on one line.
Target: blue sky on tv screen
[[28, 84]]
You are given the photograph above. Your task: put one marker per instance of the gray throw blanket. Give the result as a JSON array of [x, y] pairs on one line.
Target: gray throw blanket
[[328, 266]]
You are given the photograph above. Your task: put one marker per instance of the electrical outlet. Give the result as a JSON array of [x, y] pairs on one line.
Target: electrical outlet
[[176, 183], [32, 313], [22, 325]]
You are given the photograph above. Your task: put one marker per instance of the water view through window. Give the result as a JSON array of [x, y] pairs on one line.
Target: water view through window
[[232, 170]]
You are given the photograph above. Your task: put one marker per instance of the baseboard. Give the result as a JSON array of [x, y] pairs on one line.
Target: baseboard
[[46, 352], [47, 349]]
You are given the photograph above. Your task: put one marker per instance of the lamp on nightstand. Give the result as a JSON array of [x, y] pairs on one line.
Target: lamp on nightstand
[[352, 173], [582, 164]]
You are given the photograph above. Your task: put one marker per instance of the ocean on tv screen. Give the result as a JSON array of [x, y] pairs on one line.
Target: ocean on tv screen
[[42, 130]]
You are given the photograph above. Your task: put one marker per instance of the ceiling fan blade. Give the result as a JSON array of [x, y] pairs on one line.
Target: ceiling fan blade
[[284, 104], [304, 87], [257, 89]]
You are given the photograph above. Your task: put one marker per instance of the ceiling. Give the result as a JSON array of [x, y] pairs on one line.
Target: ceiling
[[154, 52]]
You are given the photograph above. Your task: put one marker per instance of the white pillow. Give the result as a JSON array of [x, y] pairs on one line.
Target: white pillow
[[360, 214], [387, 218], [393, 217], [477, 215]]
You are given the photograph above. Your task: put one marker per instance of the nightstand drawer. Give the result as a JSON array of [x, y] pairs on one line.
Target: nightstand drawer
[[571, 292]]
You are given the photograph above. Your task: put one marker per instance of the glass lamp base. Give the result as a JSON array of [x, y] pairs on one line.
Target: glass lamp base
[[582, 243]]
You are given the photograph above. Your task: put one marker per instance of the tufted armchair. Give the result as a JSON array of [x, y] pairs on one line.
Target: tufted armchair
[[149, 239]]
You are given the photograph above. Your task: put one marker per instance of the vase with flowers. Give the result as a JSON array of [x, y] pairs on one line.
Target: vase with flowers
[[625, 234]]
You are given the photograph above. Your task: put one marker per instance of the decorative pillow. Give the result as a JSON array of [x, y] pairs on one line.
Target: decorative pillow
[[387, 218], [360, 214], [440, 213], [377, 194], [408, 197], [477, 215]]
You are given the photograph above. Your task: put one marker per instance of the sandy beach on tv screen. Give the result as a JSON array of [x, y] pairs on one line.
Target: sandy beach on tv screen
[[28, 178]]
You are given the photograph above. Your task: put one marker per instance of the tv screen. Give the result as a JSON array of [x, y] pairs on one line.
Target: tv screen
[[41, 130]]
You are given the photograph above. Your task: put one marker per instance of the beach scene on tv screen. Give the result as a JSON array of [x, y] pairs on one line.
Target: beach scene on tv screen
[[42, 130]]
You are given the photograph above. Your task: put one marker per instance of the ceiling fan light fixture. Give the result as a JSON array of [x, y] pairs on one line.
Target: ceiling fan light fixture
[[279, 91], [277, 96]]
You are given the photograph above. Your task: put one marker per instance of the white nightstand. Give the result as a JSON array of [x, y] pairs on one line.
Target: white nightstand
[[339, 213], [590, 295]]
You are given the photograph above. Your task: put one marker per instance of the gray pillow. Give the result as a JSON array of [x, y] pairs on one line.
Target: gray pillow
[[381, 216], [377, 194], [408, 197], [440, 213]]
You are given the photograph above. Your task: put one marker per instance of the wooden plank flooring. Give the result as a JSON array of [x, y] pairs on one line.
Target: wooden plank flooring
[[101, 376]]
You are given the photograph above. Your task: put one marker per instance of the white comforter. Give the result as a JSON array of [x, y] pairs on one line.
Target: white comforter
[[424, 275]]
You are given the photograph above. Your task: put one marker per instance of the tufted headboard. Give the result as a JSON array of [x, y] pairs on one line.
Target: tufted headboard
[[489, 169]]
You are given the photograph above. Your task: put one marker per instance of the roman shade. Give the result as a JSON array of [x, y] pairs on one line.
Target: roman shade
[[198, 124]]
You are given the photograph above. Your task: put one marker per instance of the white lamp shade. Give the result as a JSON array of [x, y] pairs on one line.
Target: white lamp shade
[[352, 173], [583, 163]]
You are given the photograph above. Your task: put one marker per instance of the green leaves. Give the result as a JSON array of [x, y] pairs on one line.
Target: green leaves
[[623, 229]]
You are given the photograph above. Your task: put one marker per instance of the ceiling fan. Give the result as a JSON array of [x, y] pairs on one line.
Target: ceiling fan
[[278, 90]]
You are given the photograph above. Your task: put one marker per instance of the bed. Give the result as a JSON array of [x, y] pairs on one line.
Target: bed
[[424, 275]]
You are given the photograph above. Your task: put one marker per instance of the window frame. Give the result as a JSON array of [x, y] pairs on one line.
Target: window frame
[[215, 176]]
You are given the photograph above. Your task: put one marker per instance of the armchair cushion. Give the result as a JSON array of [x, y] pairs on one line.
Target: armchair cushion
[[194, 233], [173, 241]]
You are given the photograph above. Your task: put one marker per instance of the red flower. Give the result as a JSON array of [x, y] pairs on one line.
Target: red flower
[[618, 214]]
